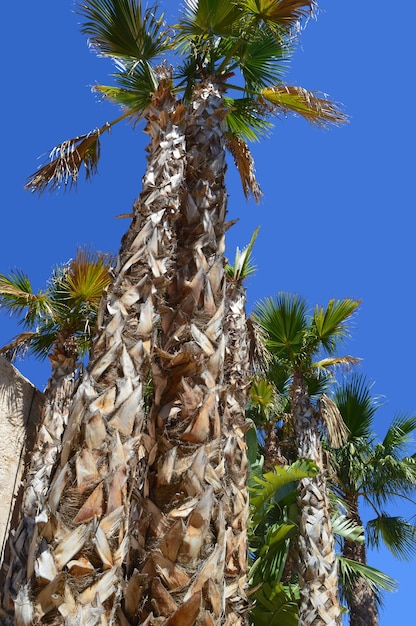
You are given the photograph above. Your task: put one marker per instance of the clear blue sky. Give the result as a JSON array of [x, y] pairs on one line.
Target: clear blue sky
[[337, 218]]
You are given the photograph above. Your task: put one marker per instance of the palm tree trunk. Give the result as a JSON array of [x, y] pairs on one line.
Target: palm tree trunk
[[85, 540], [191, 564], [318, 579], [22, 542], [361, 602]]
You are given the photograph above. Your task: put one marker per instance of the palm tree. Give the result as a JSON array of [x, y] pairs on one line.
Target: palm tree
[[295, 339], [143, 509], [378, 474], [58, 322]]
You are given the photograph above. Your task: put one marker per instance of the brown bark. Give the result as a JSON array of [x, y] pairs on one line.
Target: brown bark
[[318, 579], [361, 602], [79, 568], [191, 541]]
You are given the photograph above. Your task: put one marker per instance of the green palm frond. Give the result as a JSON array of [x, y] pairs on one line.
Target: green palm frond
[[284, 320], [244, 121], [120, 29], [399, 436], [330, 324], [205, 18], [243, 266], [396, 533], [346, 528], [350, 571], [262, 60], [17, 297], [266, 487], [357, 405], [315, 108], [279, 15], [276, 605]]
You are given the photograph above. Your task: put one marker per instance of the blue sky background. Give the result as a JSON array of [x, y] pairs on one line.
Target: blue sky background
[[337, 217]]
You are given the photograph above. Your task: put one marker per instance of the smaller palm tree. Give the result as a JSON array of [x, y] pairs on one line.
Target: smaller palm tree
[[58, 322], [306, 344], [378, 474]]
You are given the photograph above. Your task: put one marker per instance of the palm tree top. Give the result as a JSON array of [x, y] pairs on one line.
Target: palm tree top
[[243, 46], [296, 337], [68, 305]]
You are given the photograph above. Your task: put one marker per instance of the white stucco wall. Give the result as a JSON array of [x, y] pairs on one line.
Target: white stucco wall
[[19, 415]]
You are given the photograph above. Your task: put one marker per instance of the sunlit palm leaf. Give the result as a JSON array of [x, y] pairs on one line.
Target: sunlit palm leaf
[[87, 277], [209, 17], [262, 60], [336, 430], [314, 108], [279, 14], [17, 296], [347, 528], [330, 324], [284, 320], [244, 121], [243, 262], [351, 570], [120, 29], [399, 435]]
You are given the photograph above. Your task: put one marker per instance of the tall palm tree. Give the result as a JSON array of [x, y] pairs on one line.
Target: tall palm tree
[[58, 322], [151, 522], [377, 474], [296, 339]]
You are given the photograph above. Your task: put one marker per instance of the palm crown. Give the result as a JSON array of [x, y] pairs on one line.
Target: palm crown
[[242, 45], [68, 305]]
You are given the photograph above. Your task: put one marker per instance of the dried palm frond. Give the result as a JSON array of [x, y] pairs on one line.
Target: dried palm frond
[[66, 159], [316, 109], [336, 428], [245, 165], [18, 347]]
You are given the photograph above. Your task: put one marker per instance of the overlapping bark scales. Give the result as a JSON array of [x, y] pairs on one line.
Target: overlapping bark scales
[[361, 602], [192, 530], [80, 567], [318, 580], [23, 541]]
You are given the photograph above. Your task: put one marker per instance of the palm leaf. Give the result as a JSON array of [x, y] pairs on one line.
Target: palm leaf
[[17, 296], [245, 165], [357, 405], [243, 262], [284, 321], [337, 431], [266, 487], [67, 158], [329, 325], [276, 605], [279, 15], [87, 277], [316, 109], [399, 435], [352, 570], [396, 533], [18, 347], [344, 527], [262, 60], [202, 18], [120, 29], [243, 120]]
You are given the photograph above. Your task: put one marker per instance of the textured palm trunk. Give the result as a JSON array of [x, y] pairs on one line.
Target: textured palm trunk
[[361, 602], [22, 542], [318, 578], [80, 567], [191, 542]]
